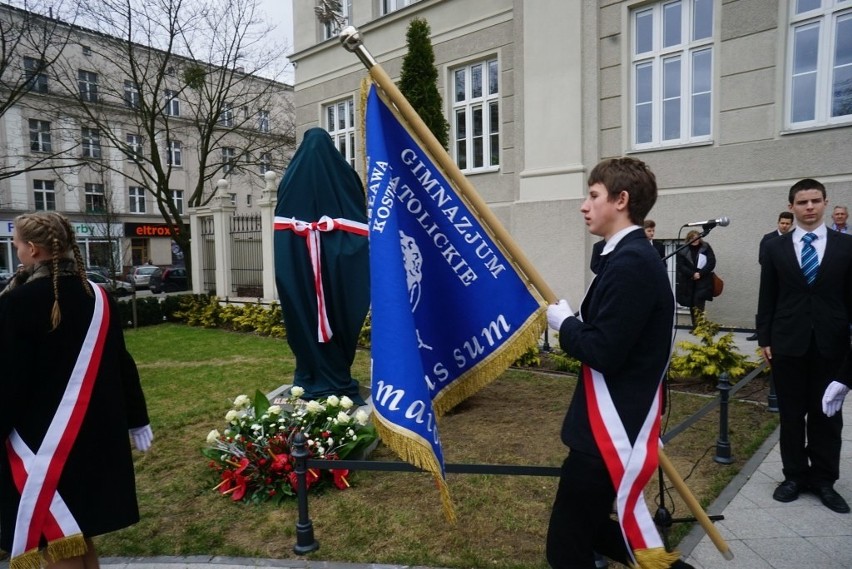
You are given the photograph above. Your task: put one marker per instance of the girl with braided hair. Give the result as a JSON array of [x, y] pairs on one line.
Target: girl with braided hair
[[71, 394]]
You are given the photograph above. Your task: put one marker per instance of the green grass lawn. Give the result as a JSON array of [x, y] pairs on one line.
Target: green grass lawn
[[191, 376]]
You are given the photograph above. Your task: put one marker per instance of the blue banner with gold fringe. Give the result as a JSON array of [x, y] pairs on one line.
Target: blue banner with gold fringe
[[450, 312]]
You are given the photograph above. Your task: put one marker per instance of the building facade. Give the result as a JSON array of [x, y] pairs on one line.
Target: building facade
[[729, 101], [93, 138]]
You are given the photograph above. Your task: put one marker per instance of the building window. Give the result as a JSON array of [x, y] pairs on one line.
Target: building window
[[134, 146], [172, 103], [87, 50], [819, 83], [44, 195], [40, 136], [331, 28], [233, 196], [91, 142], [248, 200], [88, 83], [95, 198], [340, 124], [137, 199], [132, 97], [265, 163], [263, 121], [34, 74], [672, 73], [174, 156], [475, 122], [229, 159], [226, 118], [177, 198], [388, 6]]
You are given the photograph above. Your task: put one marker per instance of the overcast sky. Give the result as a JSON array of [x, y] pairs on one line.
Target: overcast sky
[[280, 13]]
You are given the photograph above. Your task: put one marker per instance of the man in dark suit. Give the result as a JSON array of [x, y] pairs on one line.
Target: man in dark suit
[[803, 319], [623, 337], [785, 224], [650, 227]]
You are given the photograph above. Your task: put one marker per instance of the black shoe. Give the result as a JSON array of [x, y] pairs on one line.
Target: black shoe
[[788, 491], [752, 338], [831, 499], [681, 564]]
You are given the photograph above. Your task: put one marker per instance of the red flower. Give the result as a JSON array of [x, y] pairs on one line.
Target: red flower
[[310, 477], [340, 478], [233, 483]]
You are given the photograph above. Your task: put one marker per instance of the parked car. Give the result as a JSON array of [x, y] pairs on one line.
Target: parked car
[[169, 279], [140, 275], [102, 270], [117, 287]]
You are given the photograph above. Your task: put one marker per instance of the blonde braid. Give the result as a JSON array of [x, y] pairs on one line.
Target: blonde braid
[[55, 314]]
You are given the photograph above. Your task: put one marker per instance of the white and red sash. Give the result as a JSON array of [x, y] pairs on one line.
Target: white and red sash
[[311, 233], [41, 510], [630, 466]]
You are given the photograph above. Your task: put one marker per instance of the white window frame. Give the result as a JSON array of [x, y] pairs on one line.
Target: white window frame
[[135, 145], [132, 95], [174, 153], [226, 118], [45, 190], [229, 159], [263, 121], [90, 141], [177, 199], [87, 82], [94, 193], [331, 29], [171, 101], [338, 118], [388, 6], [40, 140], [468, 101], [657, 57], [136, 199], [825, 19], [264, 163]]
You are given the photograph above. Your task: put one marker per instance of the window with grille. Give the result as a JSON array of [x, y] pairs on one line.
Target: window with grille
[[136, 201], [95, 198], [40, 136], [91, 142], [88, 84], [132, 97], [134, 146], [171, 103], [174, 155], [34, 74], [339, 119], [44, 196], [229, 159], [263, 121], [475, 119]]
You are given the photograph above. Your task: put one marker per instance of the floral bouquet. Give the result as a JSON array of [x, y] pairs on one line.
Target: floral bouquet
[[253, 455]]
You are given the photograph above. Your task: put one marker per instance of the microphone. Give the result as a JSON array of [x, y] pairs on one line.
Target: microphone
[[723, 221]]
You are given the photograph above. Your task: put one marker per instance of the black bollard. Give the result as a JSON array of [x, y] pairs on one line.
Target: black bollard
[[723, 446], [772, 400], [305, 542]]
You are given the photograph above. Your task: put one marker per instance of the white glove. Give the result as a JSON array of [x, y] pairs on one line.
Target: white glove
[[142, 437], [832, 400], [557, 313]]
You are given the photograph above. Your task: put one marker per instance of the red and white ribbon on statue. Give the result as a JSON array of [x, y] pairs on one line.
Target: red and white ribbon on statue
[[41, 510], [311, 232], [630, 466]]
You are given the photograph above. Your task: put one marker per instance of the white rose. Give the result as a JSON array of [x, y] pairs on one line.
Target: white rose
[[213, 436], [320, 451], [231, 416], [275, 409], [343, 418], [314, 407], [256, 427], [330, 442], [333, 401], [361, 417], [242, 401], [297, 391], [345, 402]]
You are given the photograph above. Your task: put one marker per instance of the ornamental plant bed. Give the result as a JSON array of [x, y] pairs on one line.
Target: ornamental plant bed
[[190, 376]]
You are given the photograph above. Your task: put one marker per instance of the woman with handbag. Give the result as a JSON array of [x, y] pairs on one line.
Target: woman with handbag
[[695, 265]]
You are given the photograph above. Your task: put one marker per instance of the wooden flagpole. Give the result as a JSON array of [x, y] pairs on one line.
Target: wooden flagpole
[[350, 37]]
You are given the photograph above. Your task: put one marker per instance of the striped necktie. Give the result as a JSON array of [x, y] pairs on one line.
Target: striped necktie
[[810, 261]]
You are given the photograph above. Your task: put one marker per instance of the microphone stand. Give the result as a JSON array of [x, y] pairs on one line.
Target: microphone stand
[[663, 517]]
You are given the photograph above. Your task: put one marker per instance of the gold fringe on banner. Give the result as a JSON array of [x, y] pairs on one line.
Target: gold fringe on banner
[[66, 548], [362, 123], [414, 450], [654, 558], [490, 369], [29, 560]]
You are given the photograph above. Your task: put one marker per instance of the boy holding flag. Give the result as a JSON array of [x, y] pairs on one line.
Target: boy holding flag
[[623, 336]]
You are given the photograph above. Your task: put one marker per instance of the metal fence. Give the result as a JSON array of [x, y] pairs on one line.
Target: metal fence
[[246, 255], [208, 255]]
